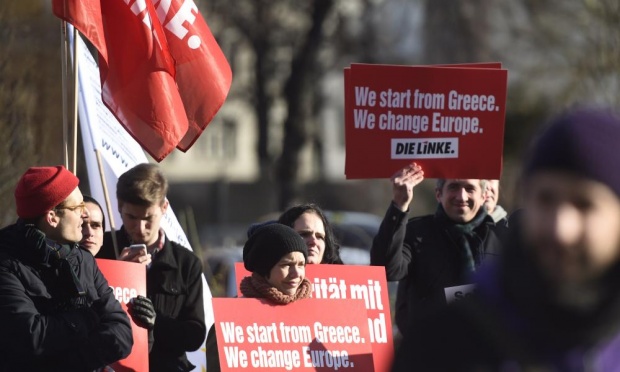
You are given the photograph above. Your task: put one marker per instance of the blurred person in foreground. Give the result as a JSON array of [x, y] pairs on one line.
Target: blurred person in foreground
[[435, 254], [57, 312], [93, 226], [309, 221], [552, 303], [276, 256], [173, 310]]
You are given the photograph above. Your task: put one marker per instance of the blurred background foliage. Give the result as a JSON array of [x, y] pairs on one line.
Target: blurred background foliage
[[558, 52]]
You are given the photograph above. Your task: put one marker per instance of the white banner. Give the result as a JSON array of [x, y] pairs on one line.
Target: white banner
[[120, 152]]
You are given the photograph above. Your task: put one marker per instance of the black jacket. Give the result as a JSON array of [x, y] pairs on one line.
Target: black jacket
[[425, 259], [52, 319], [513, 323], [174, 284]]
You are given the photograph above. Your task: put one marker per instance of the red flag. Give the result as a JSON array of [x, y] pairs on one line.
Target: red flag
[[200, 65], [142, 49]]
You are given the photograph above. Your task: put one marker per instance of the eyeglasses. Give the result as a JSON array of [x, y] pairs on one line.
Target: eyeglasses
[[80, 207]]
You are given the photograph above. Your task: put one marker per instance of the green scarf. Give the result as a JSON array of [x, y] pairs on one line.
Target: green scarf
[[465, 236]]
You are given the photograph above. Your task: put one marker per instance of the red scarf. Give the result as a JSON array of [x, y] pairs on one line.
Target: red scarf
[[256, 286]]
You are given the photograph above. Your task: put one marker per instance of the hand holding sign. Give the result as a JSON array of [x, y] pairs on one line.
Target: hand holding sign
[[403, 183], [142, 312]]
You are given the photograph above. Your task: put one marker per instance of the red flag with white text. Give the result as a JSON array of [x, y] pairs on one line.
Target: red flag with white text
[[163, 74]]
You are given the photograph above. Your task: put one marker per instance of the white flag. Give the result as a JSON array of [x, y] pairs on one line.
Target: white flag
[[120, 152]]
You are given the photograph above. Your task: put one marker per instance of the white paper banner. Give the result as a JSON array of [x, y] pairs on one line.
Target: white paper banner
[[119, 152]]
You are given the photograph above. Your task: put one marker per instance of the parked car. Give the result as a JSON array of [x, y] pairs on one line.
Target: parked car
[[354, 229], [354, 232]]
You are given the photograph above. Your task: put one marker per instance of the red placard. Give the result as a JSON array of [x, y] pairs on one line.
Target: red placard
[[449, 119], [127, 280], [367, 285], [306, 335]]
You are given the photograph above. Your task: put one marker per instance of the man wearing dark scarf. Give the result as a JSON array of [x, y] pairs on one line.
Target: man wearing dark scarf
[[552, 301], [433, 257], [57, 312]]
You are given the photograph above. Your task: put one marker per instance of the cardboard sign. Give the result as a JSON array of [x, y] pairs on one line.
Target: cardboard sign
[[306, 335], [367, 285], [128, 280], [459, 292], [448, 119]]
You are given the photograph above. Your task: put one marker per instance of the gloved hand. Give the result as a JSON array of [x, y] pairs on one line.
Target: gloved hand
[[142, 312]]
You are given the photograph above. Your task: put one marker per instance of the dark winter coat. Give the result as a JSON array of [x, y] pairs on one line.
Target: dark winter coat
[[56, 314], [425, 259], [512, 323], [174, 284]]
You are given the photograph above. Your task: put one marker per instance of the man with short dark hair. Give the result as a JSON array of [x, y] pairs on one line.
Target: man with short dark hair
[[433, 256], [57, 312], [173, 310], [552, 301], [93, 226]]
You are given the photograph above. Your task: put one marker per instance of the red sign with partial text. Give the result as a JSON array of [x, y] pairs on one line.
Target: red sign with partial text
[[128, 280], [447, 118]]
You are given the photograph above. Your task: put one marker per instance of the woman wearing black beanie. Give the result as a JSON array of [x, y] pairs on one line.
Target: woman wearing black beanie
[[276, 255]]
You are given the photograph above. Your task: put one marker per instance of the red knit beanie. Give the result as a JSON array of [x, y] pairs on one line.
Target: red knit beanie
[[40, 189]]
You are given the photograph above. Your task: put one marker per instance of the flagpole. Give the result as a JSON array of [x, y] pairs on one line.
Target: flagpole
[[76, 59], [64, 73], [108, 204]]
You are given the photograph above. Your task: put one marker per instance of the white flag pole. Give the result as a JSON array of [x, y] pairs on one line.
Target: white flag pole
[[108, 204], [64, 57], [76, 60]]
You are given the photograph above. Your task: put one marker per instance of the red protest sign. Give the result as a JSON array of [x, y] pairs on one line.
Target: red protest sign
[[127, 280], [309, 334], [449, 119], [366, 283]]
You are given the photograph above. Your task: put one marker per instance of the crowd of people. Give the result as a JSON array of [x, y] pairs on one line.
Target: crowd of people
[[542, 283]]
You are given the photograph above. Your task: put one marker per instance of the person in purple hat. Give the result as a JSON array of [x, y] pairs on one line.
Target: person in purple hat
[[57, 312], [552, 301]]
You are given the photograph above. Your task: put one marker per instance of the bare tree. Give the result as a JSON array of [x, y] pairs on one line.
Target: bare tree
[[285, 39], [29, 95], [299, 92], [456, 31]]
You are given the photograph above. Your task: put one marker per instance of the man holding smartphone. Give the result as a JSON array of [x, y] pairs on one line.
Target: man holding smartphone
[[173, 310]]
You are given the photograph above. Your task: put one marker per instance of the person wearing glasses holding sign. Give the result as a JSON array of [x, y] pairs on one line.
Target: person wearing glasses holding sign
[[57, 312]]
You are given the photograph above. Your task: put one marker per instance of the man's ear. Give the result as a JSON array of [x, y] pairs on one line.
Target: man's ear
[[438, 195], [51, 218], [485, 193], [164, 206]]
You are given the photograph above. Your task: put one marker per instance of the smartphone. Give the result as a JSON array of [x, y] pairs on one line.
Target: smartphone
[[137, 247]]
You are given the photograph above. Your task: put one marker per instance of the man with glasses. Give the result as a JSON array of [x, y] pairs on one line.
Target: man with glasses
[[173, 310], [57, 312]]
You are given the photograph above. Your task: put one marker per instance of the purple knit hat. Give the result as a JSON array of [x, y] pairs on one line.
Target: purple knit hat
[[585, 142]]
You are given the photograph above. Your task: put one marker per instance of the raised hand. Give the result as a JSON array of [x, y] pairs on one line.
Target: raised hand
[[403, 183]]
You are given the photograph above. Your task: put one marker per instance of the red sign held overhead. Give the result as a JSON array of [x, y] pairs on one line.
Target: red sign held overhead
[[448, 119]]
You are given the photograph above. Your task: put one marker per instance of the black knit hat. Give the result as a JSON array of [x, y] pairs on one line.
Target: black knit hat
[[583, 142], [268, 244]]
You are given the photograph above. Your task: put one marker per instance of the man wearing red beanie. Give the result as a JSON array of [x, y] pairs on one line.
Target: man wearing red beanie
[[57, 312]]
